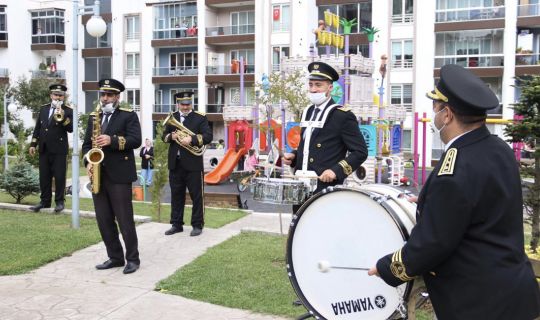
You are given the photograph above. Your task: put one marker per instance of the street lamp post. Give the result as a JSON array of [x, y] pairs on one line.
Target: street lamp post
[[96, 27], [10, 108]]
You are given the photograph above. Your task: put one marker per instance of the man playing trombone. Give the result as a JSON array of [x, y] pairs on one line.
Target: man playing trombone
[[187, 132], [50, 137]]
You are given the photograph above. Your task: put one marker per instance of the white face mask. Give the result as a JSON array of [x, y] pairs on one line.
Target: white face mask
[[108, 107], [434, 126], [317, 97], [56, 103]]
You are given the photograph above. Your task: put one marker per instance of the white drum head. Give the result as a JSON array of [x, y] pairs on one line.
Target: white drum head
[[344, 228]]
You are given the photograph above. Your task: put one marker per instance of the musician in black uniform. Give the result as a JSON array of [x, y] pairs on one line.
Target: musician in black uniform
[[329, 145], [468, 241], [120, 135], [185, 168], [50, 137]]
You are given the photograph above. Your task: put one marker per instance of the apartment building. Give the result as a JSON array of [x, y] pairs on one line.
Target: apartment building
[[159, 48]]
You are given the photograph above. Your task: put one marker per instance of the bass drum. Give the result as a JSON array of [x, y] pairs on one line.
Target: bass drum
[[334, 238]]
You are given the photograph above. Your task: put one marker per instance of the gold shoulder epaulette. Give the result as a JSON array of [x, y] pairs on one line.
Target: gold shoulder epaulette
[[126, 109], [449, 162], [344, 109], [68, 106], [201, 113]]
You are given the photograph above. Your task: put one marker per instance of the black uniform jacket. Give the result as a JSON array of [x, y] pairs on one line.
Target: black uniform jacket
[[329, 144], [468, 242], [52, 138], [125, 132], [145, 162], [198, 124]]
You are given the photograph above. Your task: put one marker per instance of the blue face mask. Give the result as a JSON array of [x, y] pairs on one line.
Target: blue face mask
[[434, 126]]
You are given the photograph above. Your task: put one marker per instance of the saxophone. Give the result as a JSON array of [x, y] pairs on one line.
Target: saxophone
[[95, 155]]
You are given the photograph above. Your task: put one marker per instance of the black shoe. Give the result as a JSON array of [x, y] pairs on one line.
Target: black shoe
[[131, 267], [174, 229], [59, 207], [195, 232], [110, 264], [38, 207]]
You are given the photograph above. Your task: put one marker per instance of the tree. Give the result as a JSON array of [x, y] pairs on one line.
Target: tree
[[20, 181], [32, 93], [290, 88], [161, 171], [527, 130]]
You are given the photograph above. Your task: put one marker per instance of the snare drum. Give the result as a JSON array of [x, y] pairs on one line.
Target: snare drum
[[351, 228], [279, 191]]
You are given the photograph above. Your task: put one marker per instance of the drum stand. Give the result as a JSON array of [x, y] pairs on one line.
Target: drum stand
[[306, 315]]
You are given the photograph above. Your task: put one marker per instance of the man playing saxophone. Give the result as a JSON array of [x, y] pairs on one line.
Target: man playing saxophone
[[119, 135], [186, 162], [50, 137]]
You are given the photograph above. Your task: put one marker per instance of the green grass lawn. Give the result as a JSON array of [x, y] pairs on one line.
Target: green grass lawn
[[214, 218], [30, 240]]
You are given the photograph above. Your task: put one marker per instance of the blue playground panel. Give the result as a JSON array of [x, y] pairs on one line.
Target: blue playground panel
[[370, 136], [396, 139]]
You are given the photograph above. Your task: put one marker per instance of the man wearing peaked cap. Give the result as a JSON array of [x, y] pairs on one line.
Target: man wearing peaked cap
[[331, 145], [185, 164], [469, 232], [50, 138], [119, 135]]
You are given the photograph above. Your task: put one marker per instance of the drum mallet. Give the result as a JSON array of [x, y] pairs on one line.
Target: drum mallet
[[324, 266]]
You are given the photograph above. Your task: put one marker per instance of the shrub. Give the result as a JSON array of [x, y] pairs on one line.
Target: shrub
[[20, 180]]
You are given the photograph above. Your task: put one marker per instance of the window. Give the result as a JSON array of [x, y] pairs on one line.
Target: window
[[3, 24], [47, 26], [133, 67], [281, 18], [465, 10], [470, 49], [402, 54], [249, 60], [90, 99], [242, 22], [401, 94], [362, 49], [234, 96], [102, 42], [360, 11], [104, 7], [173, 20], [277, 54], [134, 99], [183, 63], [133, 28], [402, 11], [97, 68]]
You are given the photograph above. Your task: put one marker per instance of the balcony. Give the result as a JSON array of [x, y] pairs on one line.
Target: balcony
[[402, 64], [214, 108], [469, 14], [175, 74], [48, 42], [527, 63], [229, 3], [3, 39], [228, 35], [528, 10], [471, 61], [4, 76], [168, 108], [58, 74], [175, 37], [402, 18], [231, 69]]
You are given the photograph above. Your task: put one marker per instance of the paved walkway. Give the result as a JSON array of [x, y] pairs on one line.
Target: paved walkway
[[71, 288]]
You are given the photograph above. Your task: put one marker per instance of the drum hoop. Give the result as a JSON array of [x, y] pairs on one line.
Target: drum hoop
[[292, 228]]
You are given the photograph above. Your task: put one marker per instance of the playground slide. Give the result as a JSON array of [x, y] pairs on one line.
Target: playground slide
[[225, 166]]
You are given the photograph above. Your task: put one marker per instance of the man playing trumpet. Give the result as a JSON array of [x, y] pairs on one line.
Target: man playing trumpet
[[50, 137], [186, 162]]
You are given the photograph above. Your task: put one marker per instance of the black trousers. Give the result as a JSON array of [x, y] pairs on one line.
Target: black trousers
[[113, 202], [179, 179], [52, 165]]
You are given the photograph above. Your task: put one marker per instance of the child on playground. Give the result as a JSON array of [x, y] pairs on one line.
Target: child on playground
[[251, 161]]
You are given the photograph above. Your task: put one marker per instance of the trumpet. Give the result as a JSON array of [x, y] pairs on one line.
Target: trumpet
[[183, 132], [58, 114]]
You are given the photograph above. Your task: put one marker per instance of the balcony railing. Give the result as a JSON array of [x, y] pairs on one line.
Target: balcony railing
[[402, 18], [527, 10], [133, 72], [48, 39], [214, 108], [527, 59], [133, 36], [471, 61], [402, 64], [469, 14], [58, 74], [281, 27], [175, 71], [175, 33], [248, 69], [4, 73], [230, 30]]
